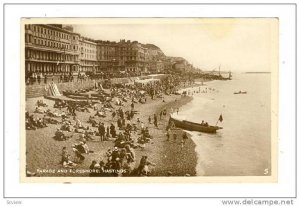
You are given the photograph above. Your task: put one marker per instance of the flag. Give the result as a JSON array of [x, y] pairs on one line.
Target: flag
[[221, 118]]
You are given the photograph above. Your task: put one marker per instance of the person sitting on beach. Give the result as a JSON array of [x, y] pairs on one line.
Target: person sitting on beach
[[39, 110], [86, 136], [143, 168], [101, 169], [146, 133], [66, 126], [93, 169], [59, 135], [78, 123], [93, 121], [90, 131], [78, 155], [120, 141], [68, 163], [130, 154], [85, 147], [41, 123], [100, 114], [49, 120], [40, 103], [115, 154], [29, 125]]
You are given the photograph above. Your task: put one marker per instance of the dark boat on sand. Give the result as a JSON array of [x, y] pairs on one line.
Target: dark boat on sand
[[192, 126]]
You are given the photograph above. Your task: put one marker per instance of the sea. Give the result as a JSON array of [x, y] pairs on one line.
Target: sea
[[243, 146]]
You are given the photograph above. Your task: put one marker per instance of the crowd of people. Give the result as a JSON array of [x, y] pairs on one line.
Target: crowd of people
[[124, 128]]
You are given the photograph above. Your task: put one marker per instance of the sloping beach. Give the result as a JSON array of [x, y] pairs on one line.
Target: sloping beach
[[44, 152]]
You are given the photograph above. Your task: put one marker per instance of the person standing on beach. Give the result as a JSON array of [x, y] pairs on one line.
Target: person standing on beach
[[149, 119], [107, 133], [64, 155], [171, 110], [177, 110], [165, 113], [101, 130], [112, 130], [113, 115], [174, 136], [184, 137], [168, 134], [182, 144], [155, 120], [138, 123]]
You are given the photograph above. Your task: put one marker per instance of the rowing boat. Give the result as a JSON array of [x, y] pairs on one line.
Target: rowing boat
[[192, 126]]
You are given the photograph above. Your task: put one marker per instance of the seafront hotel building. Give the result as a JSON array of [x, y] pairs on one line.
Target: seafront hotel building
[[50, 49], [55, 50]]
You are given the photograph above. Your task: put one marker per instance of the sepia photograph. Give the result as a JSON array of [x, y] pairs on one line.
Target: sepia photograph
[[135, 98]]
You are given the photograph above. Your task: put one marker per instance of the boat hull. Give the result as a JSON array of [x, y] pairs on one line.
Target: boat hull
[[240, 93], [191, 126]]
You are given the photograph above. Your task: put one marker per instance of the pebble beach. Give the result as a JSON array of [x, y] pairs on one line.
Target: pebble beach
[[43, 152]]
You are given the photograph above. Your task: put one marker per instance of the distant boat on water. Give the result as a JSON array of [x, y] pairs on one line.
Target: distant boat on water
[[192, 126], [240, 92]]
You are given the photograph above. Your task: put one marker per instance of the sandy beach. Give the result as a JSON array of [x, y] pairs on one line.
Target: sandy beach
[[43, 152]]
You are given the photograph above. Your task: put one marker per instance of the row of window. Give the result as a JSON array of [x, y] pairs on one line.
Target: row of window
[[49, 31], [118, 53], [112, 57], [88, 56], [42, 67], [48, 43], [88, 50], [88, 45], [49, 56], [116, 48]]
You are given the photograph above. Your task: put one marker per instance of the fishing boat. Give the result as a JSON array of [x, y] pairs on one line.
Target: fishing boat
[[192, 126], [240, 92]]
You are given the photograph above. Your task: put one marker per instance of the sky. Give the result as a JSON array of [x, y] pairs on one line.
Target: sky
[[234, 44]]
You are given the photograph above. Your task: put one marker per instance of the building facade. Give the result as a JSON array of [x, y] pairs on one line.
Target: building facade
[[56, 50], [88, 55], [50, 49], [107, 60]]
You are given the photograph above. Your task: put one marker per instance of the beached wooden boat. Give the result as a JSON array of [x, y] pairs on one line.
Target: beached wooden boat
[[192, 126], [80, 97]]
